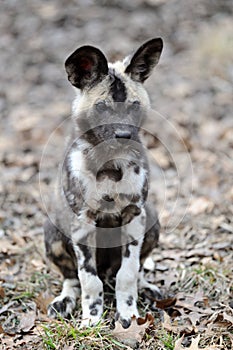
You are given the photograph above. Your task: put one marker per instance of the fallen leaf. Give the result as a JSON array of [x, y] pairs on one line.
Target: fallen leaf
[[190, 302], [193, 345], [178, 343], [165, 303], [27, 322], [136, 330], [194, 317], [175, 328], [2, 292]]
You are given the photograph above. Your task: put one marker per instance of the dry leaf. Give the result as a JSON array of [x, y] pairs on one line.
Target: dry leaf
[[136, 330], [2, 292], [193, 346], [178, 343], [165, 303], [175, 328], [194, 317], [27, 322], [189, 303]]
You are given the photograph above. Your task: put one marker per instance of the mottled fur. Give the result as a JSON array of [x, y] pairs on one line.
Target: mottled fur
[[103, 225]]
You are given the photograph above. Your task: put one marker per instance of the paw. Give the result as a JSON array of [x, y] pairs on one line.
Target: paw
[[61, 306], [125, 322], [126, 312]]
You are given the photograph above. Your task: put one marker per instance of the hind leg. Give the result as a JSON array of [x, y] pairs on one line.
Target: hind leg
[[59, 250]]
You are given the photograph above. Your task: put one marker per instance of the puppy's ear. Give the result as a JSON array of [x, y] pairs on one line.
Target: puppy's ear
[[86, 67], [144, 60]]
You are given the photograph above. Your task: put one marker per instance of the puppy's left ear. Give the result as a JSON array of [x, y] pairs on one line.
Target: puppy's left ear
[[86, 67], [144, 60]]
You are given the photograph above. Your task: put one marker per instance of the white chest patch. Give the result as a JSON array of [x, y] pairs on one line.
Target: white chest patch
[[120, 192]]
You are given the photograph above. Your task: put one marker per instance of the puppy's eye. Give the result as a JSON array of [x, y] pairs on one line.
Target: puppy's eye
[[101, 106], [135, 106]]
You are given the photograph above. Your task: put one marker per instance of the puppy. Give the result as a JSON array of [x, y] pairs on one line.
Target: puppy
[[103, 225]]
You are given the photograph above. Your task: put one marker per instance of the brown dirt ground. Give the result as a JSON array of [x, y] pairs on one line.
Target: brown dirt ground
[[191, 154]]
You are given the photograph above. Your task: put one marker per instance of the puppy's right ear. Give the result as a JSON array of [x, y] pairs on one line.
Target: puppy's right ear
[[86, 67]]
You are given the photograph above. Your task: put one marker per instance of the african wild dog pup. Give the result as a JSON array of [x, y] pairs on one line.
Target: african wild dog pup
[[103, 226]]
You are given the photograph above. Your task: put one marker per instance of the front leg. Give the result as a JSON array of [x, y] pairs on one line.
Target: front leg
[[84, 240], [127, 276]]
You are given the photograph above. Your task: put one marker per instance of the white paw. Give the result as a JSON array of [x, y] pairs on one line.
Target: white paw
[[126, 309]]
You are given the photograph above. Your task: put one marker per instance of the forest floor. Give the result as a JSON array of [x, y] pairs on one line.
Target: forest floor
[[189, 135]]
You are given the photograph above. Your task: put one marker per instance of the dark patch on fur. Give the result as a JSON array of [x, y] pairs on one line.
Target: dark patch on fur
[[129, 301], [91, 215], [145, 190], [87, 256], [135, 243], [109, 259], [114, 174], [117, 89], [87, 297], [127, 251], [109, 221], [90, 269], [107, 198], [95, 303], [136, 169], [86, 252], [129, 213], [94, 312]]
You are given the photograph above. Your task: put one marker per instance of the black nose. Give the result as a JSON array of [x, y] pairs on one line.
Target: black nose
[[120, 134]]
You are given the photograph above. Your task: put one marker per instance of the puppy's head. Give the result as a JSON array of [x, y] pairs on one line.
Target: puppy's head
[[113, 101]]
